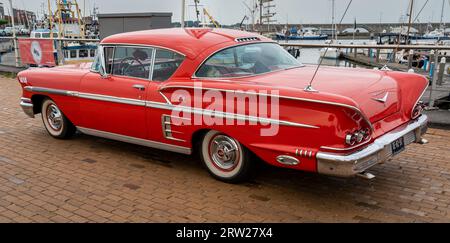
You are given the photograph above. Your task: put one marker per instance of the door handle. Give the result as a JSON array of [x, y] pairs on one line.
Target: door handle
[[139, 87]]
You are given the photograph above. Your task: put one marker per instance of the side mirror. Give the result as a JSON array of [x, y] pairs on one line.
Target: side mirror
[[103, 73]]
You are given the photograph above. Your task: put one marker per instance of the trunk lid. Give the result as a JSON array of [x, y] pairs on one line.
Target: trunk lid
[[374, 92]]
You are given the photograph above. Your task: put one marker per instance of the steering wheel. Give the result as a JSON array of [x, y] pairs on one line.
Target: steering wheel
[[124, 69]]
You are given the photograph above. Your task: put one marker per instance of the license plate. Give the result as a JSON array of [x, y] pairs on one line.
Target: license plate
[[398, 146]]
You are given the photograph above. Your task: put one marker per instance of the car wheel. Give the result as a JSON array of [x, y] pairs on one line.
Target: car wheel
[[56, 123], [225, 158]]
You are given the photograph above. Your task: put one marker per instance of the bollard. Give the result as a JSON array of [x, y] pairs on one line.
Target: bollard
[[433, 81], [430, 60], [378, 56], [441, 71], [410, 58], [356, 52]]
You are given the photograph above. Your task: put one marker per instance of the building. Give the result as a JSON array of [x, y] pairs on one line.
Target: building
[[24, 17], [110, 24]]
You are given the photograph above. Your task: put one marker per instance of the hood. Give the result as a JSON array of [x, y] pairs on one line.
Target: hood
[[376, 94]]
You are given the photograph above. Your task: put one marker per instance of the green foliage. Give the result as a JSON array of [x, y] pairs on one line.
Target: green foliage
[[3, 21]]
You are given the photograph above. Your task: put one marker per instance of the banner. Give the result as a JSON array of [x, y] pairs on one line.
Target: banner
[[37, 52]]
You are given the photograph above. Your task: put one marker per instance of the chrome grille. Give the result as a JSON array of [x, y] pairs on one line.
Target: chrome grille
[[167, 128]]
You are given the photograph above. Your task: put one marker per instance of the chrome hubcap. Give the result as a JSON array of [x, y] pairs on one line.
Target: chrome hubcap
[[224, 152], [54, 117]]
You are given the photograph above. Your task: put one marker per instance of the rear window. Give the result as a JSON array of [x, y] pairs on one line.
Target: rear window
[[166, 64]]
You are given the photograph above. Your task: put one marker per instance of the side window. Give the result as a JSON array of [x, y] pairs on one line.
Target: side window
[[73, 54], [166, 64], [96, 64], [108, 52], [132, 62], [84, 53]]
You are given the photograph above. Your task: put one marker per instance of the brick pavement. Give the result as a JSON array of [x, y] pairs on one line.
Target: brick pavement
[[89, 179]]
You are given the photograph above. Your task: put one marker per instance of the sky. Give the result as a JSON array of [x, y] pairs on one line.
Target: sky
[[288, 11]]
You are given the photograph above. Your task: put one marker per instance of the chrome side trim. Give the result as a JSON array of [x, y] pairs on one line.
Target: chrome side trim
[[225, 115], [137, 141], [165, 106], [112, 99], [418, 100], [276, 96], [47, 90]]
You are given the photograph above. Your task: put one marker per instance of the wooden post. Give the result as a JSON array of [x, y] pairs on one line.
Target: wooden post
[[356, 53], [441, 71]]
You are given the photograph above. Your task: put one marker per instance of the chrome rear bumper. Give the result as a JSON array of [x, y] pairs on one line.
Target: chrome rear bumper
[[377, 152], [27, 107]]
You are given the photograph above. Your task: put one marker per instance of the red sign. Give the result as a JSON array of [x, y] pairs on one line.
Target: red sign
[[37, 52]]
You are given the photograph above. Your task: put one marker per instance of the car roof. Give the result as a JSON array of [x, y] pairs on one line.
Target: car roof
[[190, 42]]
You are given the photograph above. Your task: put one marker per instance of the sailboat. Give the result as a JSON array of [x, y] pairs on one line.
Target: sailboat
[[439, 33]]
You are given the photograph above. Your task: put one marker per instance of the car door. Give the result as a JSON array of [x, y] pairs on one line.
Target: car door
[[115, 103]]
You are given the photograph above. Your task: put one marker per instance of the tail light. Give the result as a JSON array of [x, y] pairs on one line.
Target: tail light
[[417, 111], [358, 137]]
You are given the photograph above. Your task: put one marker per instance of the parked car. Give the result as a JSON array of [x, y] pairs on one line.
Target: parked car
[[190, 90], [2, 32], [24, 31]]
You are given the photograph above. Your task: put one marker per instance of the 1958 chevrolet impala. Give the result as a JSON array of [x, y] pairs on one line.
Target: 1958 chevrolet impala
[[207, 90]]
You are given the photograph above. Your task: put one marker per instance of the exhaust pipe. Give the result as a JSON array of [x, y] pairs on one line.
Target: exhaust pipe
[[366, 175]]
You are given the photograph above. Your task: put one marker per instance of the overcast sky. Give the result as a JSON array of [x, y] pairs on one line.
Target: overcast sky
[[294, 11]]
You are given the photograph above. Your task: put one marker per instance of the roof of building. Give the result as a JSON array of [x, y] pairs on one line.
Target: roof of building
[[148, 14], [188, 41]]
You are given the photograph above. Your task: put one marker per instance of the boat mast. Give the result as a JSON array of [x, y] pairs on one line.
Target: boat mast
[[441, 24], [333, 27], [410, 19]]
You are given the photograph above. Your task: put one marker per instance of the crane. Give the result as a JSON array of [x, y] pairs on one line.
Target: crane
[[213, 21]]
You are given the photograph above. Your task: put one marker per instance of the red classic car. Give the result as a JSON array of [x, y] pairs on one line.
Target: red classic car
[[234, 97]]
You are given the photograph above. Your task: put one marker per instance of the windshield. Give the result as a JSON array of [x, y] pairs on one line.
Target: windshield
[[247, 60]]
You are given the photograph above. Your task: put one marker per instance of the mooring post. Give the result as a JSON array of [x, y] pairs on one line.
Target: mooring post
[[410, 58], [430, 60], [378, 56], [356, 53], [441, 71], [433, 81]]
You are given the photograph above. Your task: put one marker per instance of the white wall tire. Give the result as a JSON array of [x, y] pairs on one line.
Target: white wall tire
[[225, 158], [55, 122]]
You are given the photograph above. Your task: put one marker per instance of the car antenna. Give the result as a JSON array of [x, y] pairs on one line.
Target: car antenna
[[310, 88]]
